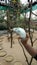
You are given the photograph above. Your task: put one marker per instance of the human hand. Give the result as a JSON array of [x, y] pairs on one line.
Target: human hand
[[26, 39]]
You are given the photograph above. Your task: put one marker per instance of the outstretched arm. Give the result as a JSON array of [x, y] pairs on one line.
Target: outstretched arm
[[29, 48]]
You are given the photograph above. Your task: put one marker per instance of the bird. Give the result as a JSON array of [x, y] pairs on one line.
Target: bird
[[20, 31]]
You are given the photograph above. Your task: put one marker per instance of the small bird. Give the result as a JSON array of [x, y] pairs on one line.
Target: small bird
[[20, 31]]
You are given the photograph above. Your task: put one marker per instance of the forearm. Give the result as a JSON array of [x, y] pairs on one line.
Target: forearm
[[30, 49]]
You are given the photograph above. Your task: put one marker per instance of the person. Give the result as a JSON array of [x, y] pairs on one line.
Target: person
[[30, 49]]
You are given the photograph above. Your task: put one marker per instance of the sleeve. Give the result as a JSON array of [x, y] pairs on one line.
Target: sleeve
[[35, 57]]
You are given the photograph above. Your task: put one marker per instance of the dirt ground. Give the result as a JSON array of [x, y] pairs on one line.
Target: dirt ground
[[16, 50]]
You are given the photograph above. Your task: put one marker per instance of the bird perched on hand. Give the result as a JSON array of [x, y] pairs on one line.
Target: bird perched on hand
[[20, 31]]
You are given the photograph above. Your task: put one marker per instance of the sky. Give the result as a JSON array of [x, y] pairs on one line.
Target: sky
[[27, 15], [26, 1]]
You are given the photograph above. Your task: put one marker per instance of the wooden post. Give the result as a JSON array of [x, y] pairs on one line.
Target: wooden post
[[11, 38]]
